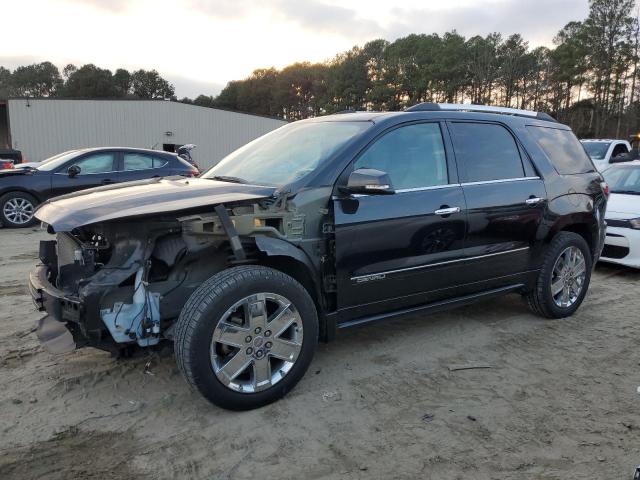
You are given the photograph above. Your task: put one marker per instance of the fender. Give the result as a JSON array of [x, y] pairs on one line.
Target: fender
[[577, 210], [275, 247]]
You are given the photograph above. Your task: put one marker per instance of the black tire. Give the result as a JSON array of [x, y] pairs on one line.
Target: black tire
[[202, 313], [5, 201], [540, 299]]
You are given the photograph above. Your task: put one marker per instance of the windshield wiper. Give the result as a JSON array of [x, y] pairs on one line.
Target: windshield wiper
[[626, 192], [226, 178]]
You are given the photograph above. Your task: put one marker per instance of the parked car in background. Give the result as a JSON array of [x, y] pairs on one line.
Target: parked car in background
[[602, 151], [9, 157], [37, 164], [23, 189], [321, 225], [622, 242], [185, 152]]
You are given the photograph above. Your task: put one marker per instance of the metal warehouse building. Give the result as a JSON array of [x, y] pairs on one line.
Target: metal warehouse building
[[41, 128]]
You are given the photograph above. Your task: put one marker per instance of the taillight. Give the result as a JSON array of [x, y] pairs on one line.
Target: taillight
[[605, 188], [4, 165]]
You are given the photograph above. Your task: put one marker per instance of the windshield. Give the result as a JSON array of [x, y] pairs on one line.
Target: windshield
[[286, 154], [54, 162], [623, 179], [596, 150]]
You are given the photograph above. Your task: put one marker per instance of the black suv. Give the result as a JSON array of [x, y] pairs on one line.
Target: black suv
[[321, 225]]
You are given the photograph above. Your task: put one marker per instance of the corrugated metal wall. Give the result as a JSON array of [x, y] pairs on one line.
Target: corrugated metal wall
[[42, 128]]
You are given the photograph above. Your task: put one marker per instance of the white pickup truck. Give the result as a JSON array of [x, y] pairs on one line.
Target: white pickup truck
[[602, 151]]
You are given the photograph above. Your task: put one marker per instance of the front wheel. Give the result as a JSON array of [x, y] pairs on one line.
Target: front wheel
[[564, 278], [246, 336]]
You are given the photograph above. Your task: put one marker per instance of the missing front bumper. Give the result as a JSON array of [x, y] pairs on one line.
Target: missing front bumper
[[52, 329]]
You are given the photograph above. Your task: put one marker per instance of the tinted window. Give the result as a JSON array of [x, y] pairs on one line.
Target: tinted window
[[485, 152], [413, 156], [563, 149], [98, 163], [619, 149]]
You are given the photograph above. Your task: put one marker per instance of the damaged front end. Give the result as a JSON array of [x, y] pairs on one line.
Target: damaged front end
[[120, 284]]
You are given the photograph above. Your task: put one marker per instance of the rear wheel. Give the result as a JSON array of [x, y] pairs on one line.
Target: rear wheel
[[246, 336], [17, 209], [564, 278]]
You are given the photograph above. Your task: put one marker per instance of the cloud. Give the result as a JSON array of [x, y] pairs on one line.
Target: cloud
[[322, 17], [188, 87], [224, 9], [115, 6], [537, 21]]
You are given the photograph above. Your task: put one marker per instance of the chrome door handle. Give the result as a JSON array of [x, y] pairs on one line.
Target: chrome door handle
[[447, 211], [533, 200]]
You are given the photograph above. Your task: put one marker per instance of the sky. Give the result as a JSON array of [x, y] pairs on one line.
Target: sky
[[200, 45]]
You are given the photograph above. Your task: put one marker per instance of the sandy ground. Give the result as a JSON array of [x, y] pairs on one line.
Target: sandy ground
[[559, 402]]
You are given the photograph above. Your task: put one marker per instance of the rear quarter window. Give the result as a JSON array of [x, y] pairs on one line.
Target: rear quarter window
[[563, 149]]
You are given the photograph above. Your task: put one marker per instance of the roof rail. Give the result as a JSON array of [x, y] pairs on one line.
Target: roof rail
[[459, 107]]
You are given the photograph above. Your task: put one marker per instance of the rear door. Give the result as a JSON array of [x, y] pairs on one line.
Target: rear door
[[140, 166], [96, 169], [391, 249], [506, 199]]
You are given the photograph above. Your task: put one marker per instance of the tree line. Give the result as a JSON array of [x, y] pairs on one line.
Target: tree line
[[589, 79], [45, 80]]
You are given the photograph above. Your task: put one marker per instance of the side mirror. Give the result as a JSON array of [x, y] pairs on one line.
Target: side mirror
[[73, 171], [369, 181]]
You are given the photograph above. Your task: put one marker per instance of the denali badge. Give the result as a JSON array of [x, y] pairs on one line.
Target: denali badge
[[371, 278]]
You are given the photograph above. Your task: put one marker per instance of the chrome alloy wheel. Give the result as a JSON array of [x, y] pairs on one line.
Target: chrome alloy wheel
[[256, 342], [18, 210], [568, 276]]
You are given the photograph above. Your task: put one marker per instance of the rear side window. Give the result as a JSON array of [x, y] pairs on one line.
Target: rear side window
[[485, 152], [136, 161], [563, 149]]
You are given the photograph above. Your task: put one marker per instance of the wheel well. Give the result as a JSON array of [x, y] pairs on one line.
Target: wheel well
[[584, 231], [300, 273], [20, 190]]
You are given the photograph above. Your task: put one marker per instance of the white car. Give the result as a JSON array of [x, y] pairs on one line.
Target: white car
[[602, 151], [622, 242]]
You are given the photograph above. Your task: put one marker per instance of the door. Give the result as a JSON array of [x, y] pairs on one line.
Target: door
[[139, 166], [506, 200], [96, 169], [392, 249]]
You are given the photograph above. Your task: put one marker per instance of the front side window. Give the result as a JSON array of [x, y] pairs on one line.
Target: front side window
[[619, 149], [413, 156], [485, 152], [288, 153], [98, 163]]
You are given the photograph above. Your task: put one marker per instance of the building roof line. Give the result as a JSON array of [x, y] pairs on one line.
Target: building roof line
[[118, 99]]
